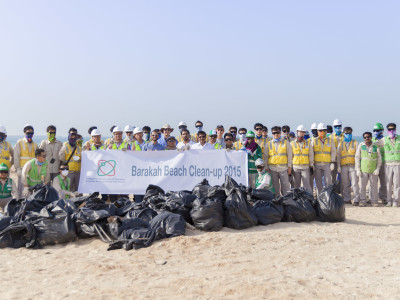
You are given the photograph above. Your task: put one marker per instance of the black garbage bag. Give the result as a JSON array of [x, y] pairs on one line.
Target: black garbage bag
[[208, 214], [155, 197], [134, 239], [44, 193], [79, 200], [217, 193], [99, 204], [55, 225], [238, 213], [117, 225], [123, 205], [330, 205], [146, 214], [201, 189], [167, 225], [13, 206], [298, 205], [177, 205], [29, 210], [261, 194], [4, 222], [152, 191], [90, 223], [268, 211], [18, 235]]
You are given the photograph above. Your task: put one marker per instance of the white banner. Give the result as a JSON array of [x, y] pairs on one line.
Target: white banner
[[126, 172]]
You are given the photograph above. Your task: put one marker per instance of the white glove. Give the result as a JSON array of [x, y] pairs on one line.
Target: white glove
[[76, 158], [228, 149], [339, 169], [376, 172], [19, 172], [359, 173], [25, 192], [332, 166]]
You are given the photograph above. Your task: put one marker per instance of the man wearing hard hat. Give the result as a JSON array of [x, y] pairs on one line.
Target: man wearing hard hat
[[337, 136], [6, 151], [379, 140], [118, 143], [324, 157], [181, 126], [129, 138], [303, 159], [71, 153], [8, 188], [96, 143]]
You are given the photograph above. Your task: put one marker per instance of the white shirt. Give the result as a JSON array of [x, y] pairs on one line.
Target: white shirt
[[182, 145], [205, 147]]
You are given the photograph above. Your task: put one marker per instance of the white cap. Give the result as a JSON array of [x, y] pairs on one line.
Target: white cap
[[3, 129], [181, 123], [137, 130], [301, 128], [321, 126], [259, 162], [313, 126], [116, 129], [127, 128], [95, 132], [337, 122]]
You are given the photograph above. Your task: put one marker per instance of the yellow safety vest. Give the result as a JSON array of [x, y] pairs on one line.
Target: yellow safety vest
[[278, 158], [74, 166], [337, 138], [322, 154], [25, 154], [5, 156], [348, 157], [300, 156], [238, 145]]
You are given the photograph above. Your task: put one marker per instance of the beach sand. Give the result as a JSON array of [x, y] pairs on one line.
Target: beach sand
[[357, 259]]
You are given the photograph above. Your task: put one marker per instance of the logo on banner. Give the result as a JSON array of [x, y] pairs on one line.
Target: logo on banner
[[106, 168]]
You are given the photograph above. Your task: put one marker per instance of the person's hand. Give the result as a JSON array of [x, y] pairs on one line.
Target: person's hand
[[376, 172], [289, 171], [359, 173], [76, 158], [332, 166], [25, 192], [228, 149], [339, 169], [19, 172]]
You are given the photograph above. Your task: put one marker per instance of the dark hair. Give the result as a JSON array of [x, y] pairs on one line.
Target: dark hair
[[112, 128], [241, 129], [72, 129], [187, 130], [287, 127], [147, 128], [201, 132], [391, 125], [26, 128], [329, 129], [155, 130], [232, 127], [50, 127], [64, 164], [258, 125], [265, 127], [199, 122], [347, 129], [91, 129], [278, 128], [367, 132], [228, 134], [38, 151]]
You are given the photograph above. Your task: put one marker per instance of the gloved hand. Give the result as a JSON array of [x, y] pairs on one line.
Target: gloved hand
[[228, 149], [19, 172], [77, 194], [359, 173], [71, 194], [339, 169], [25, 192], [332, 166], [376, 172]]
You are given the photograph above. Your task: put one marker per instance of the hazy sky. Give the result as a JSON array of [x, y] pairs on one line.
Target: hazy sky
[[82, 63]]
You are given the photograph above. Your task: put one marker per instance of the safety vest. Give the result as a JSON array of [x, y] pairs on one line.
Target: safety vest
[[137, 146], [337, 138], [5, 156], [260, 179], [381, 148], [217, 146], [34, 176], [348, 156], [93, 147], [300, 156], [369, 161], [322, 154], [392, 153], [63, 186], [278, 158], [74, 166], [5, 191], [124, 145], [263, 142], [238, 145], [25, 154]]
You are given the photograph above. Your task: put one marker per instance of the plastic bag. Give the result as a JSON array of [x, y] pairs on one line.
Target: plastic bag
[[201, 189], [298, 206], [44, 193], [17, 235], [261, 194], [268, 212], [168, 224], [4, 222], [91, 223], [330, 205], [208, 214], [134, 239], [13, 206], [146, 214], [117, 225]]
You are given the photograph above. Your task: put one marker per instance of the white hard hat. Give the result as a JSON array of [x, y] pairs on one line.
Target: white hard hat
[[313, 126], [181, 123], [95, 132], [137, 130], [3, 129], [337, 122], [127, 128], [301, 128], [321, 126], [116, 129], [259, 162]]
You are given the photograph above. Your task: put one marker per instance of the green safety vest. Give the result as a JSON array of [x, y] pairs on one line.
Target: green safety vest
[[62, 185], [381, 149], [123, 145], [252, 160], [391, 153], [217, 146], [369, 162], [5, 191], [137, 146], [34, 177], [102, 147], [260, 178]]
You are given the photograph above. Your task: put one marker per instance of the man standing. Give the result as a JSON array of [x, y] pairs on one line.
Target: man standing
[[35, 171], [171, 143], [186, 143], [279, 157], [213, 139], [380, 141], [324, 157], [6, 150], [303, 159], [153, 145], [220, 135], [8, 188], [118, 143], [368, 162], [392, 165], [146, 133], [199, 127], [128, 134], [337, 139], [96, 143], [202, 144], [71, 153], [139, 141], [228, 139], [24, 151], [260, 139], [286, 133], [166, 131], [181, 126], [239, 144], [51, 147], [254, 152], [346, 160]]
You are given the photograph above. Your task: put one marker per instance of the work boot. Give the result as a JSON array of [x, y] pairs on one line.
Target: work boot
[[362, 204], [375, 204], [394, 204], [389, 204], [355, 203]]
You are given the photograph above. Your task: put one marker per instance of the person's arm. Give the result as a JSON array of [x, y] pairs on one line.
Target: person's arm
[[289, 154], [47, 178], [14, 191], [25, 171], [17, 154], [338, 153], [379, 163], [12, 155], [333, 152], [311, 154], [266, 181], [358, 158], [61, 154]]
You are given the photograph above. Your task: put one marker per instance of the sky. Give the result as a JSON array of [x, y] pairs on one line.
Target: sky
[[82, 63]]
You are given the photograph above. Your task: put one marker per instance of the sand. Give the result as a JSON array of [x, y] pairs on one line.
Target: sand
[[357, 259]]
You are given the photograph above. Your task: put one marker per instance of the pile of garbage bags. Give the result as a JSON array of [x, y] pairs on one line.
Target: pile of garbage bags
[[44, 219]]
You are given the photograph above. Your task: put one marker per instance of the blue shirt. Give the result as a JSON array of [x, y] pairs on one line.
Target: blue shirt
[[151, 147]]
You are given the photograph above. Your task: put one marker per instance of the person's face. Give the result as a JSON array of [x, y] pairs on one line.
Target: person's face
[[229, 141], [285, 131], [260, 168], [41, 158], [391, 129], [139, 136], [348, 131], [171, 143], [129, 133], [242, 132], [368, 139], [185, 136], [3, 175], [62, 168], [276, 134], [258, 130], [96, 139], [202, 139], [198, 125], [154, 136], [322, 133], [166, 132], [300, 134], [213, 139], [250, 140], [118, 136], [220, 131], [264, 132]]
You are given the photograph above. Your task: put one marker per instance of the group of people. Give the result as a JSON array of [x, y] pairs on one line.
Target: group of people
[[285, 160]]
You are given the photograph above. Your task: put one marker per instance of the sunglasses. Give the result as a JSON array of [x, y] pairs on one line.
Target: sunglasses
[[44, 156], [276, 132], [367, 137], [284, 130], [228, 140], [259, 128], [3, 172], [377, 130], [52, 132], [202, 136], [259, 167], [63, 169], [391, 129]]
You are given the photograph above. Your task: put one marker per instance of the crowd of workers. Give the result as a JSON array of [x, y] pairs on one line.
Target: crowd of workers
[[276, 163]]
